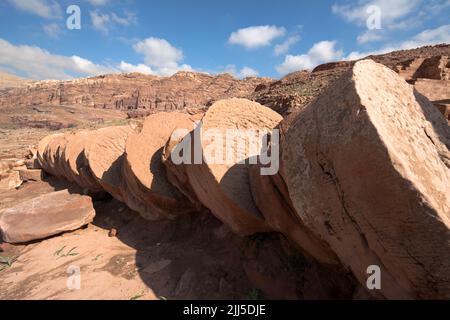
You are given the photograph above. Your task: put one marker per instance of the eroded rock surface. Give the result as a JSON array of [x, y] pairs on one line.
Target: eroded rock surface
[[366, 166], [223, 185], [45, 216], [105, 154], [147, 189]]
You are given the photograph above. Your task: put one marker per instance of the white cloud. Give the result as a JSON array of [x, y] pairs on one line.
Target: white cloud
[[321, 52], [161, 55], [437, 6], [429, 37], [98, 2], [128, 19], [100, 21], [426, 37], [87, 67], [142, 68], [286, 45], [160, 58], [48, 9], [391, 10], [256, 36], [103, 22], [370, 36], [244, 72], [248, 72], [395, 15], [53, 30], [37, 63], [170, 70], [158, 52]]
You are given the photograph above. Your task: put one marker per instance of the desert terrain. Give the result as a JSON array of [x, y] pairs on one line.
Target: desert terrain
[[152, 230]]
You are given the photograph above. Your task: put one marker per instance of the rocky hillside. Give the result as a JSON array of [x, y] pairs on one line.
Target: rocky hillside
[[140, 95], [297, 89], [133, 91]]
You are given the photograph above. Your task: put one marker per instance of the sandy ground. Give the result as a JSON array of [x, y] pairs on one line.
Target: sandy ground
[[193, 257], [146, 260]]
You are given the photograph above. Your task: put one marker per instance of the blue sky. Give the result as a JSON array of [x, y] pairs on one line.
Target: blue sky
[[245, 37]]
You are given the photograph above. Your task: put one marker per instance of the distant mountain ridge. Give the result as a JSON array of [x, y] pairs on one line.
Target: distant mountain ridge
[[133, 91], [8, 80], [140, 94]]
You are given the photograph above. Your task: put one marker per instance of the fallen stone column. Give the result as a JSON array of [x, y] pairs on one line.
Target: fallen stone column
[[104, 155], [147, 189], [223, 185]]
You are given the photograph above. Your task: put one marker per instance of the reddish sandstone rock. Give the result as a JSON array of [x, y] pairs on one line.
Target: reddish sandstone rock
[[105, 154], [147, 189], [42, 146], [31, 175], [131, 92], [271, 197], [53, 156], [75, 162], [44, 216], [176, 173], [10, 180], [367, 169], [224, 187]]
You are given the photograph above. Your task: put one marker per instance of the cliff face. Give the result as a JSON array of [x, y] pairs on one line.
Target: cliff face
[[132, 91]]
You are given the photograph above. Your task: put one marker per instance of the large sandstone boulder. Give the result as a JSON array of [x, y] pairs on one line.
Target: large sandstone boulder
[[223, 186], [42, 146], [272, 199], [147, 189], [177, 172], [367, 169], [62, 155], [105, 154], [44, 216], [75, 163], [52, 155]]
